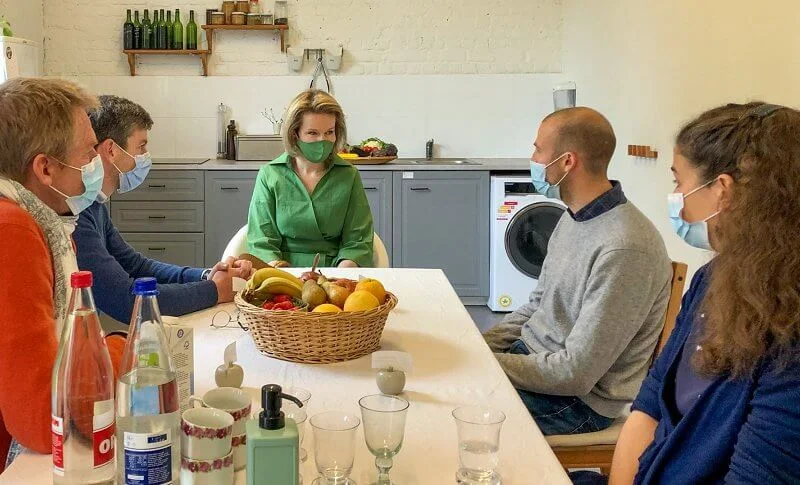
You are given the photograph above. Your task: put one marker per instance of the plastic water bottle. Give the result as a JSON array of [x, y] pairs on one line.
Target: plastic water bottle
[[82, 395], [148, 414]]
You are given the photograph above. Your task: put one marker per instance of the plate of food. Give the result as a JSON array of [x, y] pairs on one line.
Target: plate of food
[[372, 151]]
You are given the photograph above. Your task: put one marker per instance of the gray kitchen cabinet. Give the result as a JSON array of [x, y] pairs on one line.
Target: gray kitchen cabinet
[[378, 187], [134, 216], [183, 249], [441, 220], [227, 196], [167, 185]]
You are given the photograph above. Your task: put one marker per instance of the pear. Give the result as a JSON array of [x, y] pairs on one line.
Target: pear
[[336, 294], [313, 294]]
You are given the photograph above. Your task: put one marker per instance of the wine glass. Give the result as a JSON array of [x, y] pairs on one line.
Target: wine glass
[[384, 426], [291, 410]]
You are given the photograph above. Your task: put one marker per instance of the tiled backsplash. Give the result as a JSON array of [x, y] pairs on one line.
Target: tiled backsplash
[[467, 115]]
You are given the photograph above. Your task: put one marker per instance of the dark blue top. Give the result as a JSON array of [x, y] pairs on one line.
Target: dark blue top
[[738, 431], [115, 265], [689, 385], [610, 199]]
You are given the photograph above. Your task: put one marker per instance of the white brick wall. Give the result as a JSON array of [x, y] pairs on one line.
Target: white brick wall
[[379, 37]]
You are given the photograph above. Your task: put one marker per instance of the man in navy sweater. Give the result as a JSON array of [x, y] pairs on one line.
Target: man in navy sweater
[[121, 126]]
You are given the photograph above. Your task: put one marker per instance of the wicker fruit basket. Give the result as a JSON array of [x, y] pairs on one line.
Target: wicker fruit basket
[[316, 338]]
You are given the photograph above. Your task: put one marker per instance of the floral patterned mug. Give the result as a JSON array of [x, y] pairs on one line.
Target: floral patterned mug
[[229, 399], [206, 433]]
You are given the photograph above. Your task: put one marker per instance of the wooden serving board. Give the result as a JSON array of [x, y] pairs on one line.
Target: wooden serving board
[[370, 160]]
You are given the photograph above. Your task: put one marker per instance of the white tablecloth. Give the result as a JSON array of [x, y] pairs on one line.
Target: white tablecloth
[[452, 366]]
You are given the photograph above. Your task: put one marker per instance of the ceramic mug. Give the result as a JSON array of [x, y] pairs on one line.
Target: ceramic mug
[[239, 445], [229, 399], [206, 433], [218, 471]]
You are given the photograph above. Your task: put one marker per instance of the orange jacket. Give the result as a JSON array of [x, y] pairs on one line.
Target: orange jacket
[[28, 342]]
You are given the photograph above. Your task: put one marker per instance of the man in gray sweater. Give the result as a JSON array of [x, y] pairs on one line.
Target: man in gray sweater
[[579, 350]]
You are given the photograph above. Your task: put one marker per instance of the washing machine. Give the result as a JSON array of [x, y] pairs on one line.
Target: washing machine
[[521, 226]]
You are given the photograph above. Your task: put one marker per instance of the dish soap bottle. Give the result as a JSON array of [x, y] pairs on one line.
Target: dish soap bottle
[[273, 444]]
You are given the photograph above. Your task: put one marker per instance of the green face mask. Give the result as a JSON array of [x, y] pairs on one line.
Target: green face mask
[[316, 151]]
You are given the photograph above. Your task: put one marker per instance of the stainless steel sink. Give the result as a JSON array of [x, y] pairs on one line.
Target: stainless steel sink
[[444, 161]]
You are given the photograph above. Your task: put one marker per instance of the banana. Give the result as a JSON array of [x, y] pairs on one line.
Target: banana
[[261, 275], [279, 286]]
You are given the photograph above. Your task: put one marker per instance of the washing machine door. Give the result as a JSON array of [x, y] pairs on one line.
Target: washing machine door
[[527, 236]]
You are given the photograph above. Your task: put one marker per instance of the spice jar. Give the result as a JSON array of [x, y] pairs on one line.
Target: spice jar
[[242, 6], [281, 12], [209, 12], [254, 19], [217, 18], [266, 18], [238, 18], [228, 6]]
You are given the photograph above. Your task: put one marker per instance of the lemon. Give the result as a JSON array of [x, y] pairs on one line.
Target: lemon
[[360, 301], [373, 286], [326, 308]]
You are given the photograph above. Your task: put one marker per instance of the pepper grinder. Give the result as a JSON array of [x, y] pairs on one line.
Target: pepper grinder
[[230, 137]]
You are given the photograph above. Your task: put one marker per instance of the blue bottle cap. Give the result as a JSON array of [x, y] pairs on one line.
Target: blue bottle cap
[[145, 286]]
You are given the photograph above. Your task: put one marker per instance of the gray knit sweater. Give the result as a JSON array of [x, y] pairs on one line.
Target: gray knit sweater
[[595, 316]]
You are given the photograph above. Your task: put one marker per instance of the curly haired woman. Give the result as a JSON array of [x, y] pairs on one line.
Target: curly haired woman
[[721, 404]]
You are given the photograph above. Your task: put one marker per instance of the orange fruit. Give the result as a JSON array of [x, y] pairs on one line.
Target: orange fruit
[[360, 301], [326, 308], [373, 286]]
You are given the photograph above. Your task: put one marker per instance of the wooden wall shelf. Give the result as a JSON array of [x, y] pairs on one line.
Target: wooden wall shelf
[[210, 29], [149, 52]]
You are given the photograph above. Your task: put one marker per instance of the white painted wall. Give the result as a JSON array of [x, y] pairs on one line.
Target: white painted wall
[[26, 17], [652, 65]]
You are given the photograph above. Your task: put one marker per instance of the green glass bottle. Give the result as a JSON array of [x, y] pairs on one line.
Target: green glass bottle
[[155, 25], [162, 31], [168, 27], [147, 31], [191, 32], [127, 32], [137, 31], [177, 31]]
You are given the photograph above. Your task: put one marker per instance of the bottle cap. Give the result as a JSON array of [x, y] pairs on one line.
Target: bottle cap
[[81, 279], [145, 286]]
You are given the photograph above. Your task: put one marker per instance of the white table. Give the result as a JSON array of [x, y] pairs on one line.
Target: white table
[[452, 367]]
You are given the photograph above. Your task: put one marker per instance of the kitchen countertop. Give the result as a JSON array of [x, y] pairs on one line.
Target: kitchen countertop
[[403, 164]]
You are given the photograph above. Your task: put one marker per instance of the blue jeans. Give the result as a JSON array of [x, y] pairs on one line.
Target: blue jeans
[[559, 414]]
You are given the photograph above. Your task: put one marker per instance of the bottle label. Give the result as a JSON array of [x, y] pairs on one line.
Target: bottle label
[[148, 458], [103, 432], [57, 429]]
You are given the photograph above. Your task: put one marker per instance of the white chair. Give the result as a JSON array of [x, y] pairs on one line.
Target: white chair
[[238, 245]]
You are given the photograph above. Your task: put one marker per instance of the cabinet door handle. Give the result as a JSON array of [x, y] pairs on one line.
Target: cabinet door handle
[[233, 189], [156, 249], [421, 189], [370, 188], [157, 186], [156, 217]]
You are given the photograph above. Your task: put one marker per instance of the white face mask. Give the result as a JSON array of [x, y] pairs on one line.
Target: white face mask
[[92, 178]]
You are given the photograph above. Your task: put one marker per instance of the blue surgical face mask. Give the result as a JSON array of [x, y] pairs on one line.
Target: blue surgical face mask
[[539, 179], [92, 178], [693, 233], [130, 180]]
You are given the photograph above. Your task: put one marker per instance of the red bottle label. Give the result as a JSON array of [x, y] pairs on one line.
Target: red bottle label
[[103, 436], [57, 429]]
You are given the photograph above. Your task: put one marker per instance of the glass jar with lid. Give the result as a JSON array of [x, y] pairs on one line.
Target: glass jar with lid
[[281, 14]]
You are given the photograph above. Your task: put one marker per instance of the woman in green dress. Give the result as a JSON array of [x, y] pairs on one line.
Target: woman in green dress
[[309, 200]]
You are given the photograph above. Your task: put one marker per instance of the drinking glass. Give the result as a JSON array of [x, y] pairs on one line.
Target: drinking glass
[[334, 447], [384, 426], [290, 409], [478, 444]]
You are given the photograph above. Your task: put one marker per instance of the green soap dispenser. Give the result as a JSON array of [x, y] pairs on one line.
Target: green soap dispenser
[[273, 444]]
